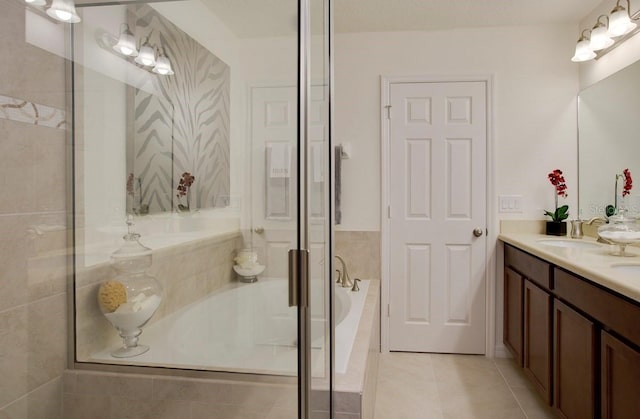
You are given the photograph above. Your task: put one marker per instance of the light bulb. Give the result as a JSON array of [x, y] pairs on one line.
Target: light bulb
[[599, 38], [64, 11], [126, 43], [146, 56], [583, 51], [619, 22]]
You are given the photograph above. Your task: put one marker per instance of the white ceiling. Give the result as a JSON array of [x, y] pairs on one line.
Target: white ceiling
[[253, 18]]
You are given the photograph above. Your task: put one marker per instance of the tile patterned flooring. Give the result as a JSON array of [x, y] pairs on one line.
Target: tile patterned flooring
[[442, 386]]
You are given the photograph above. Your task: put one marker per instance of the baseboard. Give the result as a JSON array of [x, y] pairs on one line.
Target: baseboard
[[501, 351]]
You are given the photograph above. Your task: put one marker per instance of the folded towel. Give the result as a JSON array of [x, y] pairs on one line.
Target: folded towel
[[280, 162]]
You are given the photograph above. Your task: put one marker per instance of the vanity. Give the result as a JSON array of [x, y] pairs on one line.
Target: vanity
[[572, 322]]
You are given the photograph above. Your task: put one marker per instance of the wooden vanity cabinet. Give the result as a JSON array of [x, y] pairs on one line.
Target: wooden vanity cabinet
[[620, 372], [537, 337], [513, 310], [578, 341], [575, 340], [527, 319]]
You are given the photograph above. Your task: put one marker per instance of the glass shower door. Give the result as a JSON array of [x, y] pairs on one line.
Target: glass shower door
[[214, 155]]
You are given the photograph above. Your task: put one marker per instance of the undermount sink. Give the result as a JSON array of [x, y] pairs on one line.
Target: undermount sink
[[576, 244], [630, 268]]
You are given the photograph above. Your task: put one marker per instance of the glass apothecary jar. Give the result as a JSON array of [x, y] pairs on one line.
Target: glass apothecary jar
[[621, 230], [130, 299]]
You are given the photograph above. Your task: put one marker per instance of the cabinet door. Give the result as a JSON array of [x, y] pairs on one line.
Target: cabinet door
[[574, 349], [620, 369], [513, 333], [537, 337]]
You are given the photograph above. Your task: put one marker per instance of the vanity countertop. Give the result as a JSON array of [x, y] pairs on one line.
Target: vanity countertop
[[594, 264]]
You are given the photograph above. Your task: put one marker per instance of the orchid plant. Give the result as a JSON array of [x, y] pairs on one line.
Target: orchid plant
[[184, 184], [626, 190], [557, 180]]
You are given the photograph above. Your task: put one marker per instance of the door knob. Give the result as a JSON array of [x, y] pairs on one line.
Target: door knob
[[259, 230], [477, 232]]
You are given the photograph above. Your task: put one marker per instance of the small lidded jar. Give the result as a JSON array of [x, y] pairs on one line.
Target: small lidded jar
[[621, 230], [130, 299]]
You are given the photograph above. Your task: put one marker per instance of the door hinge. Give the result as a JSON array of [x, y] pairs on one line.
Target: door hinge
[[388, 310], [388, 211], [388, 107]]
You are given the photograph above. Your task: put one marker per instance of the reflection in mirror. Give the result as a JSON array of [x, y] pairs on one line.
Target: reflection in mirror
[[609, 142]]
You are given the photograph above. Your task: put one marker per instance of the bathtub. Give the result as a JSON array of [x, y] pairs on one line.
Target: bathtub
[[248, 328]]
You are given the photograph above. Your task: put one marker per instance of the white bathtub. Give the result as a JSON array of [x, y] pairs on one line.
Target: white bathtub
[[247, 328]]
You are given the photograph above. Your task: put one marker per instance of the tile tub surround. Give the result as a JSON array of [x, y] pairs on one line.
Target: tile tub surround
[[33, 254], [361, 251], [109, 395], [187, 272]]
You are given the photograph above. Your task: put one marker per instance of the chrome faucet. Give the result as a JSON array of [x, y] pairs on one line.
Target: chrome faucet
[[599, 220], [343, 275]]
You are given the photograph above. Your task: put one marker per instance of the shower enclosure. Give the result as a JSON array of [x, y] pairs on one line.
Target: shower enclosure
[[201, 134]]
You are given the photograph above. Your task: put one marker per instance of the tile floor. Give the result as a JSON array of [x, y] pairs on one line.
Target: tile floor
[[425, 386]]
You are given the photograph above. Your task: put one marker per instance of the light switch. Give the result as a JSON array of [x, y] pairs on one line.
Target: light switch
[[510, 203]]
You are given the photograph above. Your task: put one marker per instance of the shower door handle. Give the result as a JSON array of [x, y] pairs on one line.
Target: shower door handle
[[298, 278]]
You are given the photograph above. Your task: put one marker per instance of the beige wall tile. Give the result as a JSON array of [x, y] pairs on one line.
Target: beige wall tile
[[127, 408], [361, 251], [14, 248], [14, 358], [167, 388], [113, 384], [47, 339], [45, 402], [76, 406]]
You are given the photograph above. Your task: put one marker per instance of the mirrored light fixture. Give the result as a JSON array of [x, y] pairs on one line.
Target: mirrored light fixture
[[583, 50], [36, 2], [126, 42], [599, 35], [64, 11], [146, 55], [163, 66]]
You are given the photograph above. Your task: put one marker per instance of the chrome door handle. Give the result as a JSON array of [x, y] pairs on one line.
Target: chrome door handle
[[477, 232], [259, 230]]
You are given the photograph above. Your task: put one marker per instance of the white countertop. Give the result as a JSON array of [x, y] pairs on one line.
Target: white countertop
[[593, 264]]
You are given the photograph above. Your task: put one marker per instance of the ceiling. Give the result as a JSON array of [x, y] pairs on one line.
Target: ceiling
[[256, 18]]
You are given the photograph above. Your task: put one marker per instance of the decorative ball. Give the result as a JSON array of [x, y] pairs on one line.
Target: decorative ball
[[111, 295]]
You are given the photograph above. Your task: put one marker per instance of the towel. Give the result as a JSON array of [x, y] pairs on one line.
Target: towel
[[280, 163]]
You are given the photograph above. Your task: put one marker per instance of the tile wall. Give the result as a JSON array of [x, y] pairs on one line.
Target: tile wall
[[33, 216], [361, 252]]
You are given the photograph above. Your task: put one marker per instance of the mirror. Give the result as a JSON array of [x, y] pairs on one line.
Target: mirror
[[609, 142]]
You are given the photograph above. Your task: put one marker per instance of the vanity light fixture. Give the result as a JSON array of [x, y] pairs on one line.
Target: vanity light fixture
[[146, 55], [599, 35], [620, 20], [126, 42], [64, 11], [163, 66], [583, 49], [36, 2], [619, 23]]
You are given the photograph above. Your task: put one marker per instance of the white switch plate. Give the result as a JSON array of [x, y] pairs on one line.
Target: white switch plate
[[510, 203]]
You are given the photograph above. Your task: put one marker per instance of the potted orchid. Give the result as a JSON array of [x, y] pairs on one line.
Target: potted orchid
[[557, 226], [626, 190], [183, 190]]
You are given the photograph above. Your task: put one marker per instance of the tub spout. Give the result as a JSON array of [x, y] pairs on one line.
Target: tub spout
[[343, 276]]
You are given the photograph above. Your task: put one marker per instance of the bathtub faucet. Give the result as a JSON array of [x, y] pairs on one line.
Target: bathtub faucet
[[343, 275]]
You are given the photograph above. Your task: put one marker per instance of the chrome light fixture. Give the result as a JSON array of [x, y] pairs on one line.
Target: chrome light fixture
[[583, 49], [126, 42], [146, 55], [64, 11], [36, 2], [620, 21], [163, 66], [599, 35]]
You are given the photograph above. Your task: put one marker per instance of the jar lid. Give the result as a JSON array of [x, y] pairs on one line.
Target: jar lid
[[133, 256]]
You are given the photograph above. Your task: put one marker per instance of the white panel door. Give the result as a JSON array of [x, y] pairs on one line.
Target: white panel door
[[437, 184], [274, 130]]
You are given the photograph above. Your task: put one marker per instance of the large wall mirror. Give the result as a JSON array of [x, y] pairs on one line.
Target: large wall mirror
[[609, 142]]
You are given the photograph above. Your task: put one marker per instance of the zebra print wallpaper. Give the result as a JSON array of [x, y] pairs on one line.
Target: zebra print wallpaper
[[185, 130]]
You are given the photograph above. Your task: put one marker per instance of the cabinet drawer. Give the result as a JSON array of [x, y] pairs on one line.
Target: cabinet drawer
[[613, 311], [529, 266]]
